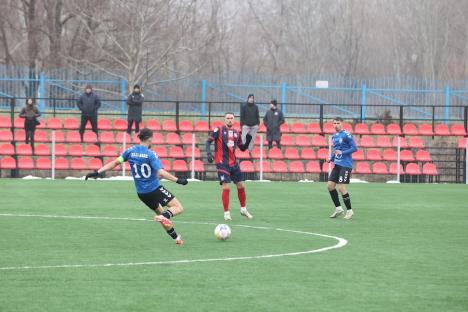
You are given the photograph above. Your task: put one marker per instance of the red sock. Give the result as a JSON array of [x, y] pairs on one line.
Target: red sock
[[225, 197], [242, 196]]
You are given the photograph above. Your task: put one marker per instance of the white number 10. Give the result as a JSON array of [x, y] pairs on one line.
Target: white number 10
[[145, 171]]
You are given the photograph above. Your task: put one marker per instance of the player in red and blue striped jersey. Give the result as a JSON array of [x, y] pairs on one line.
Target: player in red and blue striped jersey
[[226, 139]]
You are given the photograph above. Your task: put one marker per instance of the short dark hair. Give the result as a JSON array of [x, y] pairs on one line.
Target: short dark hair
[[229, 113], [338, 119], [274, 102], [145, 134]]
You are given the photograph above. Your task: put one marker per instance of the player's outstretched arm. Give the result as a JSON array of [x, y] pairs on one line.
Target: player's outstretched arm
[[166, 175], [98, 173]]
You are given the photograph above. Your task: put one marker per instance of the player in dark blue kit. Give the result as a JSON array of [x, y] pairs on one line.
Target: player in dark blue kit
[[226, 140], [343, 148], [146, 171]]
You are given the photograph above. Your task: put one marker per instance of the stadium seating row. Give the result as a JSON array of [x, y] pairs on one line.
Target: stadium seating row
[[411, 129]]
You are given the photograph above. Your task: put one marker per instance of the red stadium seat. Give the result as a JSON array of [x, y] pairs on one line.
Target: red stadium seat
[[198, 166], [425, 129], [93, 151], [389, 155], [25, 163], [7, 149], [262, 128], [423, 155], [42, 150], [128, 140], [185, 126], [266, 167], [415, 142], [153, 124], [298, 127], [347, 126], [429, 169], [361, 129], [363, 167], [73, 137], [187, 138], [61, 163], [406, 155], [179, 165], [60, 150], [243, 155], [462, 143], [18, 122], [287, 140], [236, 125], [410, 129], [7, 162], [43, 163], [458, 130], [166, 164], [403, 143], [176, 152], [314, 128], [71, 123], [393, 168], [94, 163], [59, 136], [24, 150], [296, 166], [106, 137], [104, 124], [359, 155], [367, 141], [256, 153], [201, 126], [327, 166], [161, 151], [120, 125], [54, 123], [302, 140], [275, 153], [442, 130], [313, 167], [20, 135], [78, 164], [379, 168], [374, 154], [378, 129], [319, 140], [323, 153], [328, 128], [384, 141], [284, 128], [291, 153], [76, 150], [412, 169], [173, 139], [393, 129], [109, 151], [169, 125], [158, 138], [40, 136], [5, 122], [247, 166], [127, 167], [308, 153], [90, 137], [188, 152]]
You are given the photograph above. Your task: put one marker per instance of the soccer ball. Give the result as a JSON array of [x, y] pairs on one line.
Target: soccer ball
[[222, 232]]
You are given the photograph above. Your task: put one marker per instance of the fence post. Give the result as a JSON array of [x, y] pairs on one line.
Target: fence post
[[465, 118], [42, 82], [177, 115], [203, 99], [209, 115], [123, 94], [363, 102], [12, 112], [283, 97], [401, 117], [447, 103], [321, 117]]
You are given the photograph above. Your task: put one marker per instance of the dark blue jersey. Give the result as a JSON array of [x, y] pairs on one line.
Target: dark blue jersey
[[343, 141]]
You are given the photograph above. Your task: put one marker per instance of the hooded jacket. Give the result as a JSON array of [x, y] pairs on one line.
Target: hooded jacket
[[89, 103]]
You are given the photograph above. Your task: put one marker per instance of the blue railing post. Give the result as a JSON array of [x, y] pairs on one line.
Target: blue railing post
[[42, 95], [447, 103], [283, 97], [363, 102], [123, 94], [203, 99]]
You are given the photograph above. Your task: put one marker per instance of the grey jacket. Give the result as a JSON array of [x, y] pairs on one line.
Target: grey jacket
[[135, 105], [89, 104]]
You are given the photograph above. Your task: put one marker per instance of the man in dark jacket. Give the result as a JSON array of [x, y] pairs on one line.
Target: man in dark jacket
[[88, 103], [135, 107], [249, 120], [273, 120]]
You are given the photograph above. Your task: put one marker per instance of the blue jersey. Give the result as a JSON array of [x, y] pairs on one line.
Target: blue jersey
[[145, 165], [343, 141]]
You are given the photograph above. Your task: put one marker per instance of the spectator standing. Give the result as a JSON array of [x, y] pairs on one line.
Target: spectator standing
[[273, 120], [135, 108], [30, 114], [88, 103], [249, 120]]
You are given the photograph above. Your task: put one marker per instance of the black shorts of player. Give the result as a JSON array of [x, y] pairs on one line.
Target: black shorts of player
[[340, 175], [159, 196], [227, 174]]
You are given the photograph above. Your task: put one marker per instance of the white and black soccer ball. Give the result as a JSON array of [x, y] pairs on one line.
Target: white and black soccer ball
[[222, 232]]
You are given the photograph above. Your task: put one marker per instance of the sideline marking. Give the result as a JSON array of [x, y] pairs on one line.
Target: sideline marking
[[341, 243]]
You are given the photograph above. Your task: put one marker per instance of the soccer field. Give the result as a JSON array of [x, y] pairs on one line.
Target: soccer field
[[407, 249]]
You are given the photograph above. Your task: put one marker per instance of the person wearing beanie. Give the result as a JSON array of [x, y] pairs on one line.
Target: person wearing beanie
[[273, 120], [88, 104], [249, 120], [135, 109]]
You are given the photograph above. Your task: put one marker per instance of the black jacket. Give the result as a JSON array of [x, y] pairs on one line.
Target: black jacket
[[249, 115], [89, 104], [135, 105]]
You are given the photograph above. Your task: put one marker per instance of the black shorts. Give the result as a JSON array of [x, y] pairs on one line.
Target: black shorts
[[227, 174], [159, 196], [340, 175]]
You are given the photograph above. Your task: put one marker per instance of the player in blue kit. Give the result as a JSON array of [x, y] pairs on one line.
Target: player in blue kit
[[146, 171], [343, 148]]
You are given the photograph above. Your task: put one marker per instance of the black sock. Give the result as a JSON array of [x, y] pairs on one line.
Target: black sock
[[334, 196], [172, 233], [167, 214], [347, 201]]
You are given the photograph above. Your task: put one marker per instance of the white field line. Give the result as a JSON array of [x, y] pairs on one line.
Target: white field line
[[341, 242]]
